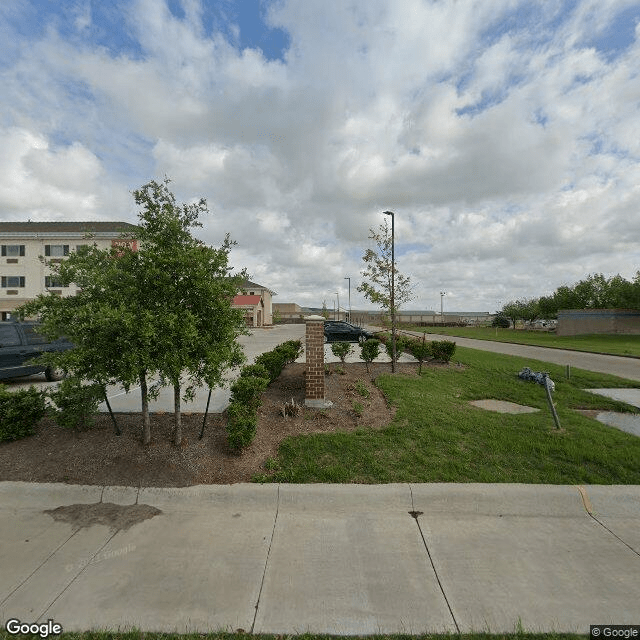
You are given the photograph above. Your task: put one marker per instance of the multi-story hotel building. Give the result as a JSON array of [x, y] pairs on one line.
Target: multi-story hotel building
[[23, 275]]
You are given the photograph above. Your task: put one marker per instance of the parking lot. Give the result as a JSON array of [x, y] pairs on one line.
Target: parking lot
[[257, 342]]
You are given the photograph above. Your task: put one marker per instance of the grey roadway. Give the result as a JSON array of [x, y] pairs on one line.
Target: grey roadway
[[337, 559], [614, 365]]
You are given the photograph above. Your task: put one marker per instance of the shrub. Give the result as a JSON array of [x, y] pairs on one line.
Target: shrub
[[20, 411], [341, 350], [443, 350], [273, 362], [77, 404], [242, 422], [362, 389], [501, 322], [291, 350], [254, 371], [421, 351], [247, 390], [369, 350], [401, 344]]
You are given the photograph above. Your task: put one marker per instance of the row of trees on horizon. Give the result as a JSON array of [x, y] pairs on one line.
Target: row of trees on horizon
[[594, 292]]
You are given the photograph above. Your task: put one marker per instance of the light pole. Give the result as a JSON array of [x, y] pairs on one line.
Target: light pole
[[338, 296], [393, 306], [442, 295], [349, 279]]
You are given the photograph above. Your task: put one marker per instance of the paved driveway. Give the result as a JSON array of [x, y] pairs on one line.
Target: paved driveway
[[615, 365]]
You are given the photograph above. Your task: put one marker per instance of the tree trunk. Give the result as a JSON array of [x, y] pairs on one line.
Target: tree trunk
[[146, 428], [178, 416]]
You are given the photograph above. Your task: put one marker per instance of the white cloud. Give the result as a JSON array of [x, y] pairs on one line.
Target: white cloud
[[510, 153]]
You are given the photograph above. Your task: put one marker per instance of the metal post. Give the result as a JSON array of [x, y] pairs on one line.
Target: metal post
[[106, 399], [393, 302], [550, 401], [349, 279], [206, 411]]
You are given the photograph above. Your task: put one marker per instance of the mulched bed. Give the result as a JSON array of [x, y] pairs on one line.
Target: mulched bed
[[98, 457]]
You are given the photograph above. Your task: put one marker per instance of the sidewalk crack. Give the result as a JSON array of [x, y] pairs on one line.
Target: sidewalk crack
[[41, 565], [115, 533], [589, 509], [415, 515], [266, 562]]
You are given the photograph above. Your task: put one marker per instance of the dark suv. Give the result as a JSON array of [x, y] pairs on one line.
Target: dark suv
[[339, 331], [20, 342]]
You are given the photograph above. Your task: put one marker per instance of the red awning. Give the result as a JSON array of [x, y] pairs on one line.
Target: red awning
[[246, 301]]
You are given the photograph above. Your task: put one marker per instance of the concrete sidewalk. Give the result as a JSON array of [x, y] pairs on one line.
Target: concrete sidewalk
[[337, 559]]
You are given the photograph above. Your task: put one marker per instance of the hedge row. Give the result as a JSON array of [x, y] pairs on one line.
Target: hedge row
[[441, 350], [74, 407], [246, 391]]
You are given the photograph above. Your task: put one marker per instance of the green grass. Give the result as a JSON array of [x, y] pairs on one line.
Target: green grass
[[617, 345], [436, 436]]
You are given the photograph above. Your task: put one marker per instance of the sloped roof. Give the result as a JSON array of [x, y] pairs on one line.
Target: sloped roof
[[246, 301], [247, 284], [67, 227]]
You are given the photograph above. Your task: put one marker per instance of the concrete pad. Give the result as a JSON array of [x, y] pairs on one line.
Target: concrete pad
[[35, 595], [349, 559], [196, 567], [624, 421], [502, 406], [28, 538], [630, 396], [618, 508], [46, 495], [526, 555], [120, 495], [471, 499]]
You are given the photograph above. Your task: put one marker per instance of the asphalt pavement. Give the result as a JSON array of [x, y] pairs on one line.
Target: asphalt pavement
[[614, 365], [334, 559]]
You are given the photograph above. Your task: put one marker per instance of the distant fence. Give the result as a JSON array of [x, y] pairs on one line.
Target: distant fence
[[423, 320], [574, 322]]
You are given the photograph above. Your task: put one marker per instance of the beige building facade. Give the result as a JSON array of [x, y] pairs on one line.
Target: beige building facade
[[266, 300], [26, 247]]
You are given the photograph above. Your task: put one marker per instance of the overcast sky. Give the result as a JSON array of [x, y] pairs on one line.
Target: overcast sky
[[505, 134]]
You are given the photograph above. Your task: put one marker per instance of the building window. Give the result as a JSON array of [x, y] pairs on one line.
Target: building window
[[51, 281], [56, 250], [12, 281], [13, 250]]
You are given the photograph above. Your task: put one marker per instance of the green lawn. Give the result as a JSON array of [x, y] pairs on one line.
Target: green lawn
[[618, 345], [436, 436]]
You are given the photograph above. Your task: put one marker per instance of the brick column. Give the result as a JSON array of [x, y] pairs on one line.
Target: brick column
[[314, 391]]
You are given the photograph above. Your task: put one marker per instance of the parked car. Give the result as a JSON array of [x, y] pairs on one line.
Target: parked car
[[20, 342], [339, 331]]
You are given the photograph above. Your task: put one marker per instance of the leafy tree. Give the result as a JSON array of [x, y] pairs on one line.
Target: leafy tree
[[196, 327], [501, 321], [325, 312], [379, 267], [113, 334], [594, 292], [164, 309]]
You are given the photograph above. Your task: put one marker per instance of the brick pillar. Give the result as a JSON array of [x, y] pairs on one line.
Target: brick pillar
[[314, 391]]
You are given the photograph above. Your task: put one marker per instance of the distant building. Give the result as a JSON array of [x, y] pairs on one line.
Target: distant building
[[23, 276], [256, 302], [574, 322]]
